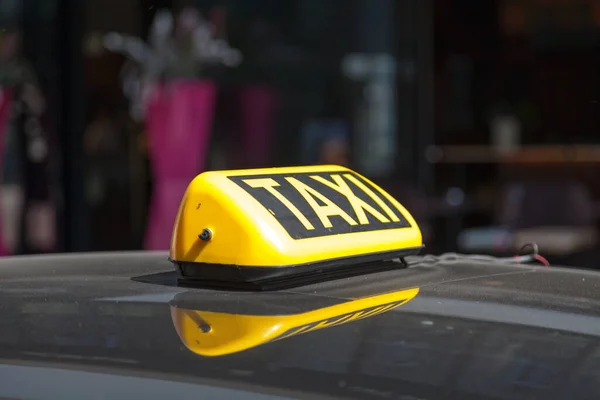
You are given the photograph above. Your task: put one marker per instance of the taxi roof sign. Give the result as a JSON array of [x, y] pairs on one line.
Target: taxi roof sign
[[267, 225]]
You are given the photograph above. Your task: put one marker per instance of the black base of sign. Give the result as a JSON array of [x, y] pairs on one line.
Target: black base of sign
[[235, 277]]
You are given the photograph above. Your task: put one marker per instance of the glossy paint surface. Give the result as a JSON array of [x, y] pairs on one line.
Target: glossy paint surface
[[100, 326]]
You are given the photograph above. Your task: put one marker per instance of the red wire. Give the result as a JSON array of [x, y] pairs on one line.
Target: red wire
[[542, 260]]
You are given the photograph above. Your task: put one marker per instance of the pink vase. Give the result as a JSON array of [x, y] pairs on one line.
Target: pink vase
[[179, 119], [258, 104]]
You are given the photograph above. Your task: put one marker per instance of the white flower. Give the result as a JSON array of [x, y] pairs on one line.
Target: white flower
[[156, 57]]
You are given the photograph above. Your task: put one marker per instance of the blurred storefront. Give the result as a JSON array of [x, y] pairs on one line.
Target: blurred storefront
[[516, 89], [317, 83], [30, 85], [447, 98]]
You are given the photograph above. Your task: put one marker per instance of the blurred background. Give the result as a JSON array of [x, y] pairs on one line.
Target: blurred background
[[482, 117]]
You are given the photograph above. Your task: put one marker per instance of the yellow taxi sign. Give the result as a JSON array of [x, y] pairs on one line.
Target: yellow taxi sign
[[272, 222], [212, 334]]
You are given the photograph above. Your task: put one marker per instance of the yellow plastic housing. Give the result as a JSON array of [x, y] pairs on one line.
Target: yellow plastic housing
[[280, 217], [213, 334]]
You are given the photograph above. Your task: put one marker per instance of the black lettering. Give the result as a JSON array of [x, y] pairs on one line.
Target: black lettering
[[312, 205]]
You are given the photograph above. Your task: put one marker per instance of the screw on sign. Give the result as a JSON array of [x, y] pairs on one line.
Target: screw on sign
[[206, 235]]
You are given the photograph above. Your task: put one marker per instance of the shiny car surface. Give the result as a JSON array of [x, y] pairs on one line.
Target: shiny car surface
[[106, 326]]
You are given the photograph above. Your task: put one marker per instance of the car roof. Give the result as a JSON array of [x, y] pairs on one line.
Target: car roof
[[476, 329]]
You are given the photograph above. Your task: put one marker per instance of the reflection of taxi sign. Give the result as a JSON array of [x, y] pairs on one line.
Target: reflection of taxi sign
[[215, 334], [265, 224]]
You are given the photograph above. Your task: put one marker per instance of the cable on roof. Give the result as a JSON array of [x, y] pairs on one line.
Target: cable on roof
[[532, 256]]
